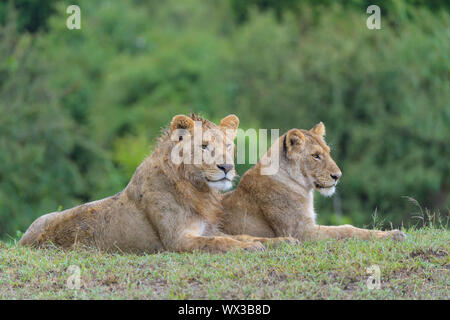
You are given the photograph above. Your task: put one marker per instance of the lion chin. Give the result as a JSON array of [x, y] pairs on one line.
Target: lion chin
[[327, 192], [221, 185]]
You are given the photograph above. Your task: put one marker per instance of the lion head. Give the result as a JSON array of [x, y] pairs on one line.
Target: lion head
[[309, 161], [202, 151]]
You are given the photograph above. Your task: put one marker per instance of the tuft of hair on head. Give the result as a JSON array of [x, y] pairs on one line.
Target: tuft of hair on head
[[319, 129], [197, 117]]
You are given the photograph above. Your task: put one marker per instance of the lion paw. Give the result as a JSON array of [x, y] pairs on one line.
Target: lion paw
[[396, 235], [291, 240], [253, 246]]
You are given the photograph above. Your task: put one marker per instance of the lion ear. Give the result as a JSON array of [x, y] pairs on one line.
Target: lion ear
[[181, 122], [182, 125], [230, 123], [294, 138], [319, 129]]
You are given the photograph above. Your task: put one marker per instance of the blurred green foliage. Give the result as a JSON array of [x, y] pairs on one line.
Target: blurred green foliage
[[80, 109], [32, 15], [35, 136]]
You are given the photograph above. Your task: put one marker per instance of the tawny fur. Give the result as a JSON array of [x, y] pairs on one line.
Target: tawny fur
[[165, 206], [282, 204]]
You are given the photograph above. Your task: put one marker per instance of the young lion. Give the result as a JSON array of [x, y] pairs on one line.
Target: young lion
[[167, 205], [282, 204]]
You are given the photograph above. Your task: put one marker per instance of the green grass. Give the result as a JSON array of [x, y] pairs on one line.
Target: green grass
[[417, 268]]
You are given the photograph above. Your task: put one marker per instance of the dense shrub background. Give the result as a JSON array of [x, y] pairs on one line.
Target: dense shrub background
[[80, 109]]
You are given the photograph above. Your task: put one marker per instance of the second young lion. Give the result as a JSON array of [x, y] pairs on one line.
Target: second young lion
[[282, 204]]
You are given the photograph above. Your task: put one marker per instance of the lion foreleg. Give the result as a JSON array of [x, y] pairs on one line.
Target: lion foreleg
[[266, 241], [192, 242]]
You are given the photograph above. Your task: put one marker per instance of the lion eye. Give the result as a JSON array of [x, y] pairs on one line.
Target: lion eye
[[316, 156], [204, 146]]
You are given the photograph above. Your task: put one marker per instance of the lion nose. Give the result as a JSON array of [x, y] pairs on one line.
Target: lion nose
[[225, 167], [336, 176]]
